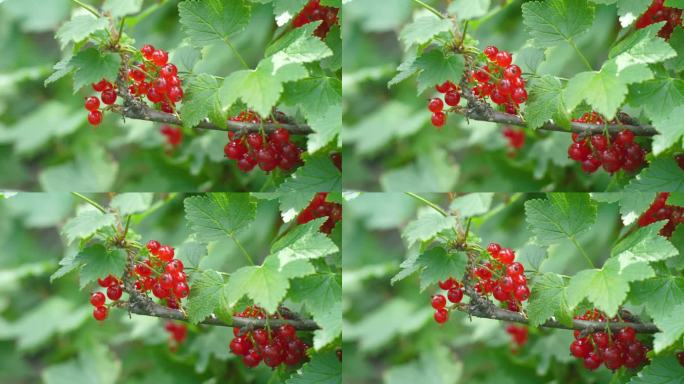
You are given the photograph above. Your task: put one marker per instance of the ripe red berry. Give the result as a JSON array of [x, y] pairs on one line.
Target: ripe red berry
[[102, 85], [626, 335], [159, 291], [438, 119], [153, 246], [515, 269], [166, 280], [455, 295], [174, 266], [519, 95], [494, 249], [108, 96], [445, 87], [181, 290], [92, 103], [491, 52], [160, 57], [506, 256], [504, 59], [512, 71], [441, 315], [680, 357], [452, 98], [522, 293], [599, 142], [447, 284], [114, 292], [624, 137], [165, 253], [100, 313], [435, 105], [95, 117], [438, 301], [97, 299], [592, 361]]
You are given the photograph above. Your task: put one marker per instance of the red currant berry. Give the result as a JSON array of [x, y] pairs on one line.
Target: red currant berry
[[100, 313], [455, 295], [445, 87], [114, 292], [108, 97], [519, 95], [102, 85], [159, 291], [515, 269], [447, 284], [452, 98], [92, 103], [504, 59], [438, 301], [147, 50], [435, 105], [165, 253], [624, 137], [97, 299], [95, 117], [160, 57], [174, 266], [592, 361], [438, 119], [494, 249], [491, 52], [441, 315], [153, 246], [166, 280], [506, 256], [522, 293], [626, 336], [512, 71], [181, 290]]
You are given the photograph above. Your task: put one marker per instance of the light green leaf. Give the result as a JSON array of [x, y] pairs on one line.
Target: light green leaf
[[672, 329], [552, 22], [663, 174], [79, 27], [606, 89], [468, 9], [98, 262], [661, 370], [86, 223], [129, 203], [423, 29], [298, 46], [668, 289], [95, 365], [562, 216], [201, 99], [607, 287], [304, 242], [472, 204], [119, 8], [659, 97], [318, 174], [545, 102], [436, 68], [216, 216], [428, 224], [210, 21], [207, 288], [439, 265], [677, 42], [324, 368], [641, 47], [548, 299], [322, 294], [93, 170], [61, 69], [645, 244], [93, 66], [671, 128]]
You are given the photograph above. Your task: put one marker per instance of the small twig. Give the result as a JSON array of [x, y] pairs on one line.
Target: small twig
[[428, 203], [87, 8], [90, 201]]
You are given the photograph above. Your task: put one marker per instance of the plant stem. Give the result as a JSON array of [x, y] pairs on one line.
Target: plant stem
[[90, 201], [428, 203], [237, 54], [429, 8], [580, 54], [244, 251], [87, 8], [582, 251]]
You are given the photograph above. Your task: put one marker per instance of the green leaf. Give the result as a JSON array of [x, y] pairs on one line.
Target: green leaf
[[439, 265], [662, 175], [318, 174], [79, 28], [92, 171], [95, 365], [561, 216], [266, 284], [260, 88], [120, 8], [423, 29], [322, 294], [548, 298], [93, 66], [659, 97], [468, 9], [428, 224], [67, 264], [545, 102], [86, 223], [324, 368], [606, 89], [669, 291], [552, 22], [31, 134], [207, 288], [201, 99], [129, 203], [406, 69], [61, 69], [100, 262], [671, 128], [677, 42], [645, 244], [211, 21], [191, 253], [472, 204], [607, 287], [436, 68], [298, 46], [304, 242], [641, 47], [216, 216], [661, 370]]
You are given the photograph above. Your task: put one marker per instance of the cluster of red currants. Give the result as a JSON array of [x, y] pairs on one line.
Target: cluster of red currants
[[317, 208], [516, 139], [173, 135], [454, 294], [451, 97], [660, 211], [503, 277], [274, 347], [92, 103], [269, 152], [657, 12], [162, 274], [500, 80], [177, 333], [613, 350], [519, 335], [613, 153], [313, 11], [157, 79], [98, 299]]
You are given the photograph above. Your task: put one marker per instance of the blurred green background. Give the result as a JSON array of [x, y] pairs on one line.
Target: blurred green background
[[389, 142], [47, 332], [46, 142], [389, 333]]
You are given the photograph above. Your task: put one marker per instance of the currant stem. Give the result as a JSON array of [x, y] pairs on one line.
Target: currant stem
[[429, 8], [90, 201], [244, 251], [237, 54], [582, 251], [428, 203], [580, 54], [87, 8]]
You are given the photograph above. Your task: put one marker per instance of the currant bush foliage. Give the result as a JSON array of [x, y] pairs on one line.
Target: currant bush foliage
[[579, 252]]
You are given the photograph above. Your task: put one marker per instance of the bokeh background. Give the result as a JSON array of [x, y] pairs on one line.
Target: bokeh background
[[390, 144], [389, 333], [47, 332], [46, 142]]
